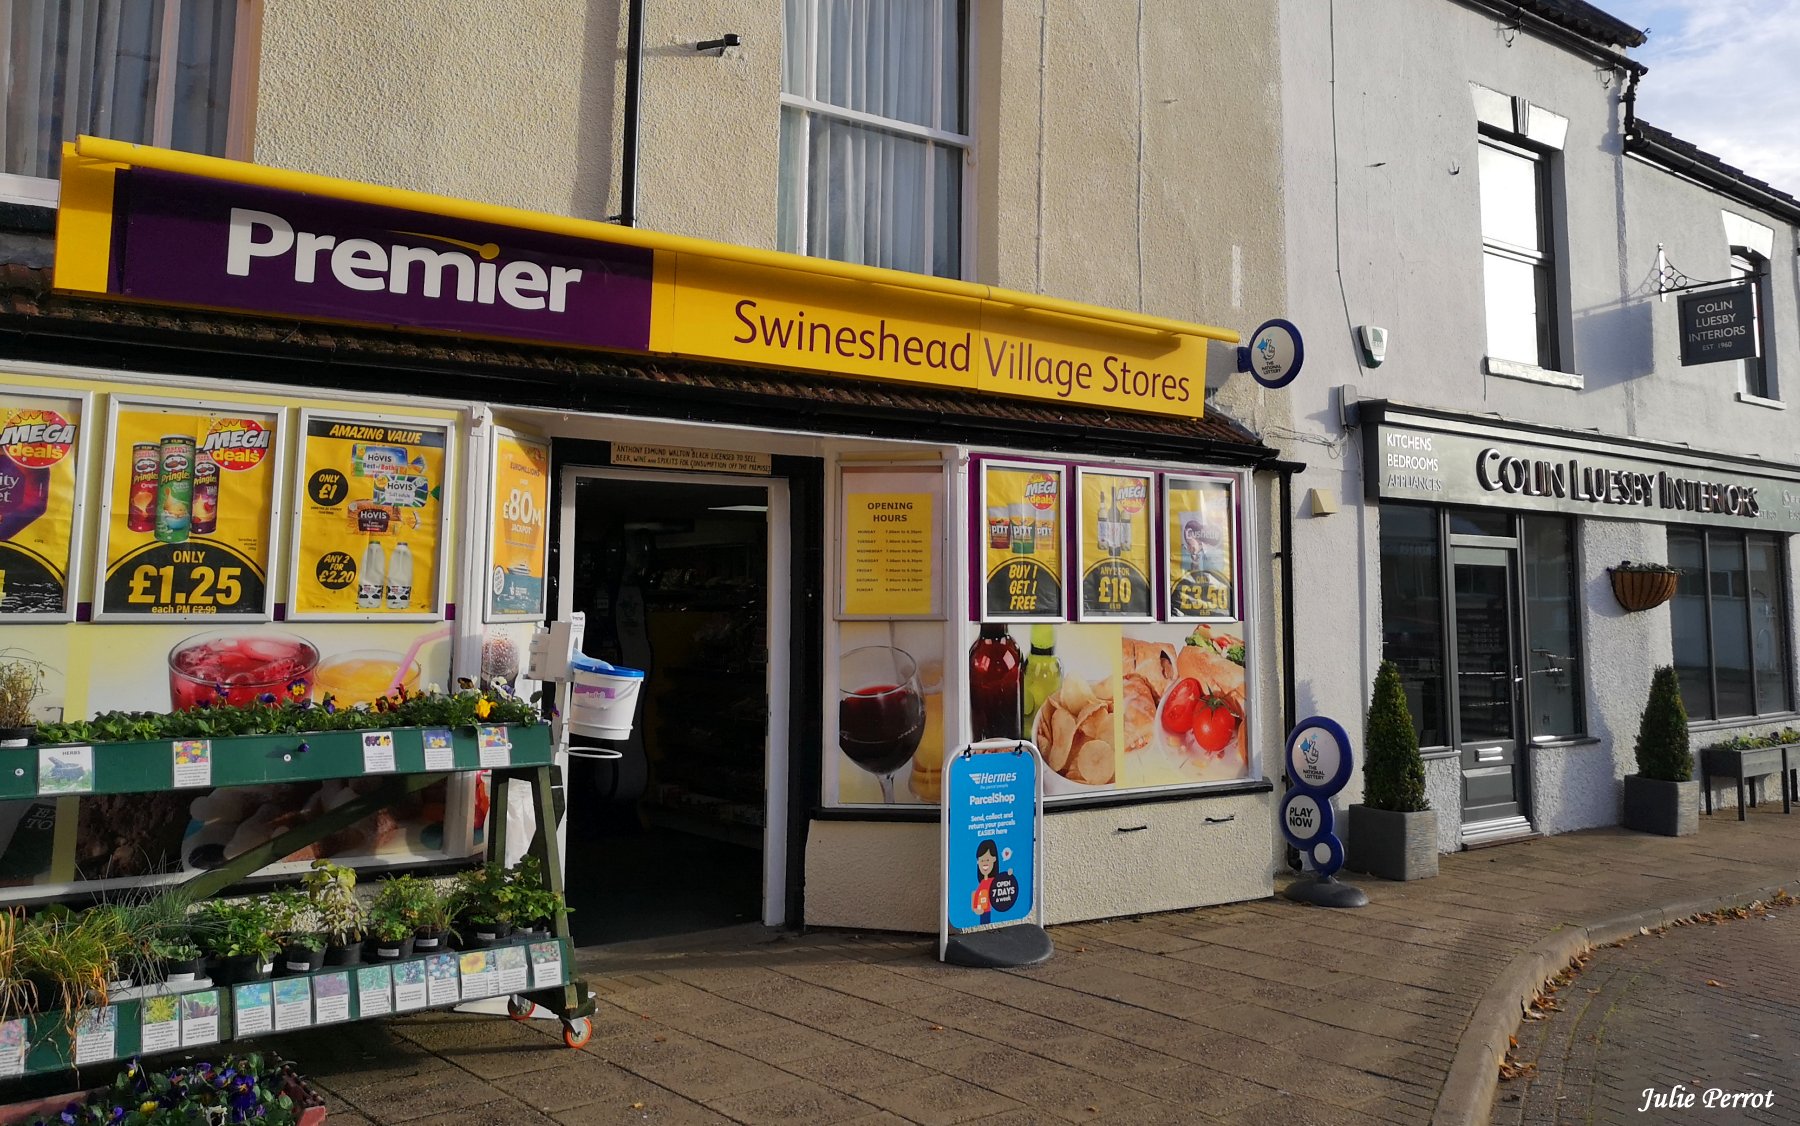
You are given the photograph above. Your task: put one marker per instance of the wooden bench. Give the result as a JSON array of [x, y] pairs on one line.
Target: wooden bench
[[1753, 764]]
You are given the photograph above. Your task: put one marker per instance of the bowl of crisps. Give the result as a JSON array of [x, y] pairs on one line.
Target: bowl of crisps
[[1073, 730]]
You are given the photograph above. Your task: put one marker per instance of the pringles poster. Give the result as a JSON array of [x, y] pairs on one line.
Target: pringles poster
[[189, 510], [521, 493], [40, 455], [1201, 548], [1023, 506], [369, 516], [1116, 552]]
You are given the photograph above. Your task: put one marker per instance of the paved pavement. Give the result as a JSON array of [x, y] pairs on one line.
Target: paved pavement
[[1701, 1017], [1263, 1012]]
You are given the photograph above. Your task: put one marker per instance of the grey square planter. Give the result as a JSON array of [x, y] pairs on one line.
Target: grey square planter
[[1669, 808], [1394, 846]]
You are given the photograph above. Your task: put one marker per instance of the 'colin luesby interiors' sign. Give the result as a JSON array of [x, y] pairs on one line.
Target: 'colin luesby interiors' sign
[[260, 241], [1504, 470], [1717, 325]]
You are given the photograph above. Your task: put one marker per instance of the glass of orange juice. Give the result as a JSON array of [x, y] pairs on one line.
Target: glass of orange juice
[[362, 676]]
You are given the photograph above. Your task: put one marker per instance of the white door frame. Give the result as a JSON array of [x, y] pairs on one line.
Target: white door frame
[[778, 625]]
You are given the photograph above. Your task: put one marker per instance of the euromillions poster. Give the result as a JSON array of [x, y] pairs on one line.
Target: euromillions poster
[[990, 807], [189, 510], [521, 476], [1200, 561], [1024, 507], [40, 453], [1115, 549], [370, 507]]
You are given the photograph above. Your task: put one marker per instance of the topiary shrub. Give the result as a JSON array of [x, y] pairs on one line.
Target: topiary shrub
[[1662, 740], [1394, 774]]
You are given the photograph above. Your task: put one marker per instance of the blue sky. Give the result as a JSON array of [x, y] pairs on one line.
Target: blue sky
[[1724, 74]]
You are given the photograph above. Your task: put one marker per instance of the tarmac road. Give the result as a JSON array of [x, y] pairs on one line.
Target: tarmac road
[[1697, 1023]]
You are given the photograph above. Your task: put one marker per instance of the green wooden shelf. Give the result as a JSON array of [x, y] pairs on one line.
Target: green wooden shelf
[[209, 1014], [249, 760]]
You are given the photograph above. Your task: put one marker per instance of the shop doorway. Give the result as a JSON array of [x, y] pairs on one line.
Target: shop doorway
[[1489, 683], [687, 831]]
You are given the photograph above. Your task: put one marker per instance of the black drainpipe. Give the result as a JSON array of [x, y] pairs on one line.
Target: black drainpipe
[[634, 80], [1290, 705]]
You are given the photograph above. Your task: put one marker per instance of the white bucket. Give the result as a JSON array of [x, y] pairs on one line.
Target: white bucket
[[601, 705]]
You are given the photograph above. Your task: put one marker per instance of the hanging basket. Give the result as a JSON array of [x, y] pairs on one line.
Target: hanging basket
[[1643, 590]]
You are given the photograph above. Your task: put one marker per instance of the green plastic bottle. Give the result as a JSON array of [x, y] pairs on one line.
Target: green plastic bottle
[[1043, 673]]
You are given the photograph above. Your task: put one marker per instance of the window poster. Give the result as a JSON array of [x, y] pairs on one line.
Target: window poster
[[369, 511], [1022, 507], [1115, 545], [516, 543], [188, 510], [41, 453], [892, 541], [1200, 557]]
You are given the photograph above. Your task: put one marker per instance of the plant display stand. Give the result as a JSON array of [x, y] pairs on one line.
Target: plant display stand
[[530, 970]]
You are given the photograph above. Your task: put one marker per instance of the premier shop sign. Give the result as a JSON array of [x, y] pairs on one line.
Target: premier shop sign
[[144, 224], [264, 250], [1506, 470]]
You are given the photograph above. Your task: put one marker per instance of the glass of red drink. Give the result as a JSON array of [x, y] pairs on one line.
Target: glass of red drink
[[881, 715], [240, 667]]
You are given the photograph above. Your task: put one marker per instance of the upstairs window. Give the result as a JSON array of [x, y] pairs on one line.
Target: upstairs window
[[874, 132], [1756, 374], [1518, 260], [157, 72]]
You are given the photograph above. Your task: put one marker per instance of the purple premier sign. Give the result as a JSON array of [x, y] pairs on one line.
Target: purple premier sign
[[190, 240]]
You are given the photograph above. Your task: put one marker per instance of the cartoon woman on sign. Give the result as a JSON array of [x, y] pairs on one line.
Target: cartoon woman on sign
[[987, 866]]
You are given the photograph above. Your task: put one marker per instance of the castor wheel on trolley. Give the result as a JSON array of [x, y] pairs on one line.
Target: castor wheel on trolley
[[577, 1032], [519, 1009]]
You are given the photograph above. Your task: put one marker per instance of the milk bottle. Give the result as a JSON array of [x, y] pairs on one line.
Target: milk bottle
[[371, 577]]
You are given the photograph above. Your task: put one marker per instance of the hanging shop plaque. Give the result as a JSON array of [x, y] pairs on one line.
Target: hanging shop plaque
[[369, 513], [1717, 325], [1115, 545], [188, 511], [1021, 544], [40, 477], [1200, 548], [892, 540], [516, 542]]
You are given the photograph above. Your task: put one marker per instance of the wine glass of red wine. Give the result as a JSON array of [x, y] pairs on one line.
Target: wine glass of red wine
[[881, 715]]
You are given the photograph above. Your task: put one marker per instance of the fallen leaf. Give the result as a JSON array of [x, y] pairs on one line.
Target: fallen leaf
[[1714, 984], [660, 1039], [937, 1028], [637, 1106]]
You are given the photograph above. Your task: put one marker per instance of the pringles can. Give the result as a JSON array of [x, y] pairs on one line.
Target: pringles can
[[146, 471], [175, 489], [206, 494]]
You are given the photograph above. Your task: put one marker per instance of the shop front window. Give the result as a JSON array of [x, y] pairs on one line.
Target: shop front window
[[1412, 613], [1729, 624], [1554, 651]]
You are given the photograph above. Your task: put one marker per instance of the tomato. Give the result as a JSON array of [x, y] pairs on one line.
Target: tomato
[[1215, 724], [1178, 706]]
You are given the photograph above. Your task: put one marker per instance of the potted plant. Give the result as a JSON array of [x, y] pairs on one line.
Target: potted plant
[[21, 679], [70, 960], [390, 935], [486, 900], [178, 959], [1663, 796], [424, 907], [331, 894], [240, 937], [535, 906], [1643, 586], [248, 1088], [1393, 833], [296, 927], [15, 995]]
